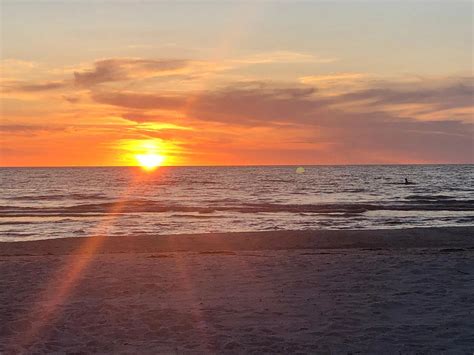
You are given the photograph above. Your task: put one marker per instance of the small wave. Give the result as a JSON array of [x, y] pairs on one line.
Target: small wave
[[433, 202], [278, 180], [428, 197], [393, 222], [96, 196], [466, 219], [16, 234], [54, 214], [197, 183], [200, 216], [222, 200], [144, 206], [16, 223]]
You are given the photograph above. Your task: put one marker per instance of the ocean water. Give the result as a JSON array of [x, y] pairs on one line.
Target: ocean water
[[42, 203]]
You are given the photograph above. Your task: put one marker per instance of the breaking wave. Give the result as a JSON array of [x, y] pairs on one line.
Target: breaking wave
[[413, 203]]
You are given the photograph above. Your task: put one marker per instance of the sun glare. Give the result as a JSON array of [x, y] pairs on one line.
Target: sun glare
[[149, 161], [148, 154]]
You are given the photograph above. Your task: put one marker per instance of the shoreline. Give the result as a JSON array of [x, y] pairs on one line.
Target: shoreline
[[436, 237], [371, 292]]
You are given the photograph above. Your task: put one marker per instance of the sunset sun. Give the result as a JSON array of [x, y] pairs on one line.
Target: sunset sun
[[148, 154], [149, 161]]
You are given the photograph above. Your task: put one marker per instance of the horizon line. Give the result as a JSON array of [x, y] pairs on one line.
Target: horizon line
[[227, 166]]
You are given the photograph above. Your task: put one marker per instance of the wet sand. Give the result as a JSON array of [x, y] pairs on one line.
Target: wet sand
[[386, 291]]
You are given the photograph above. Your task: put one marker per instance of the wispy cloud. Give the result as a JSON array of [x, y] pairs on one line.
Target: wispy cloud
[[27, 129], [138, 100], [284, 57], [120, 69], [12, 68], [19, 86], [337, 83]]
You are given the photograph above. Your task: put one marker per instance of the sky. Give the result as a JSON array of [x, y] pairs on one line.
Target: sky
[[98, 83]]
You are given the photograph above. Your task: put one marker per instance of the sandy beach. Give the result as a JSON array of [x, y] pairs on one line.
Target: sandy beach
[[384, 291]]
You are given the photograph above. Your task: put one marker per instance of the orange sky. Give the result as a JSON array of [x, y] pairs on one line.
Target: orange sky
[[236, 84]]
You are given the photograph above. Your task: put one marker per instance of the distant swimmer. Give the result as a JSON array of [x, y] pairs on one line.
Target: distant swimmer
[[406, 182]]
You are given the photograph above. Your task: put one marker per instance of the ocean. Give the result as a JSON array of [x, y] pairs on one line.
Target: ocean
[[43, 203]]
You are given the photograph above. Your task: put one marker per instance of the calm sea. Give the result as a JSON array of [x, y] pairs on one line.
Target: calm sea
[[41, 203]]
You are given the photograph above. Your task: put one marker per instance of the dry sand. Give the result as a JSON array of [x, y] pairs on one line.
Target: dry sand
[[408, 291]]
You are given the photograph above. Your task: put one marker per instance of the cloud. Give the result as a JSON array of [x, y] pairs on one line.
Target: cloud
[[284, 57], [245, 104], [322, 120], [26, 129], [120, 69], [27, 87], [14, 67], [356, 116], [335, 77], [71, 98], [265, 102], [139, 101], [454, 93], [124, 69], [337, 83]]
